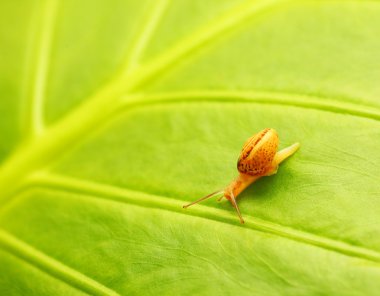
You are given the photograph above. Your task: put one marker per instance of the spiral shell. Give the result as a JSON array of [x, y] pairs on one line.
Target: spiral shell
[[258, 152]]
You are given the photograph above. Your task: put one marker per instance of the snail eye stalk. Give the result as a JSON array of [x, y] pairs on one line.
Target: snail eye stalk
[[203, 198]]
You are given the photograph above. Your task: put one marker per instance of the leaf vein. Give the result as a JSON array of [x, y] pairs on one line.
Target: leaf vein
[[51, 266], [155, 15], [40, 43], [148, 200], [269, 97]]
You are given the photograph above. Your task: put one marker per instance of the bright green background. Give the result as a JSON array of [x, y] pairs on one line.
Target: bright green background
[[115, 113]]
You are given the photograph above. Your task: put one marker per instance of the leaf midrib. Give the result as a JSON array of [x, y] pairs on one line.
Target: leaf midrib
[[138, 78], [39, 152], [98, 107]]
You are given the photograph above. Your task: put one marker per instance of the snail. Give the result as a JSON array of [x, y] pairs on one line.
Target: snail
[[258, 158]]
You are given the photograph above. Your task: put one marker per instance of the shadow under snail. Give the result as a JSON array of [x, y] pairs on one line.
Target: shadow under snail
[[258, 158]]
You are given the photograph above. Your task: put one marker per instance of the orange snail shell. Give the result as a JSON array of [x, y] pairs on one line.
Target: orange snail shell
[[258, 152]]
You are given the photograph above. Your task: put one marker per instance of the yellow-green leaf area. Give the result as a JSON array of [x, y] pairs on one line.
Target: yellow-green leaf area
[[115, 114]]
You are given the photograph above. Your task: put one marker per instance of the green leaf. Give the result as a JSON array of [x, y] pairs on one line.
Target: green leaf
[[116, 113]]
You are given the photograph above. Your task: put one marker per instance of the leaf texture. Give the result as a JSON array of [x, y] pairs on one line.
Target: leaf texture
[[115, 114]]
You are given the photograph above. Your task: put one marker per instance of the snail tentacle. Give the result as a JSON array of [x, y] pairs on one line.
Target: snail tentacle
[[203, 198]]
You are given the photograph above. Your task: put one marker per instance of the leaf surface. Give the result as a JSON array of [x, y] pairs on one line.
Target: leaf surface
[[116, 114]]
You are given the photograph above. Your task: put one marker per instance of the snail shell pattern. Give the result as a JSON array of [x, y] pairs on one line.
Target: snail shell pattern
[[258, 152]]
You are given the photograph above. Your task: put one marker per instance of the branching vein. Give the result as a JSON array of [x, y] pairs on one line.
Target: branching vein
[[145, 34], [98, 108]]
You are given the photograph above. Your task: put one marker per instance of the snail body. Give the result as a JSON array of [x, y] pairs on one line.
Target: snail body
[[258, 158]]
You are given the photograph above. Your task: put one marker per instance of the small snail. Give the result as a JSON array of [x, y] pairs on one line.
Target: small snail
[[258, 158]]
